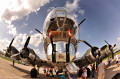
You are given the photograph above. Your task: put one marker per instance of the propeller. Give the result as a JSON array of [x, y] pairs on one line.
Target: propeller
[[27, 42], [82, 21], [111, 49], [11, 42], [25, 51], [38, 31], [86, 43], [9, 48], [95, 50], [80, 24], [106, 42]]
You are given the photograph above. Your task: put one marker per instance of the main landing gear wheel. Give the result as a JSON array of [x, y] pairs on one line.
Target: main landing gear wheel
[[33, 73], [59, 71]]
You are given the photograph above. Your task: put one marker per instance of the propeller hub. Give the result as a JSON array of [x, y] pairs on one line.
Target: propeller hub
[[24, 53]]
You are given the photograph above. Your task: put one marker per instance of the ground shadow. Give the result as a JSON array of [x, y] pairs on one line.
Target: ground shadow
[[20, 69], [40, 76]]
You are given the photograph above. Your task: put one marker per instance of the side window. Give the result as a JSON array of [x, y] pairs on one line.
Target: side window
[[72, 49], [49, 49]]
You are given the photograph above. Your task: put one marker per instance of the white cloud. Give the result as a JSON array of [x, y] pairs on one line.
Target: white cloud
[[11, 10], [37, 51], [118, 38], [31, 32], [50, 8], [12, 29], [15, 9], [72, 7], [20, 40], [4, 43], [81, 11], [118, 43], [24, 24], [42, 55], [36, 39], [16, 42]]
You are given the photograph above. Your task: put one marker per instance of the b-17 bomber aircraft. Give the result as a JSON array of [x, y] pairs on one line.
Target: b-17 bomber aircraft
[[60, 39]]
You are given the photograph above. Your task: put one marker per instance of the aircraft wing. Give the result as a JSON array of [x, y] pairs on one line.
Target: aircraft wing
[[34, 60], [89, 57], [44, 63], [82, 61]]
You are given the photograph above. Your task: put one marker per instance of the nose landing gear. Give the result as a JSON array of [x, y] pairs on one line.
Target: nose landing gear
[[33, 73]]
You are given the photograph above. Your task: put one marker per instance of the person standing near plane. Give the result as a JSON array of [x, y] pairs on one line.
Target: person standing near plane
[[97, 61], [93, 71], [80, 73], [85, 73], [117, 60], [44, 69], [109, 61], [88, 72], [101, 70]]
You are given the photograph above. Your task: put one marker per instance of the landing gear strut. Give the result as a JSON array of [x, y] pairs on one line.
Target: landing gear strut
[[38, 70], [33, 73]]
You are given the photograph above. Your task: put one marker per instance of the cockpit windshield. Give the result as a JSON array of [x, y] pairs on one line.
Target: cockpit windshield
[[60, 47], [59, 19]]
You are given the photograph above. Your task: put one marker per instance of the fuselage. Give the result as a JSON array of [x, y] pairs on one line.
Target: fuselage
[[60, 36]]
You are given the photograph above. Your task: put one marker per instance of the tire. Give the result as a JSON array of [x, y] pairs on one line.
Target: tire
[[57, 73], [33, 73]]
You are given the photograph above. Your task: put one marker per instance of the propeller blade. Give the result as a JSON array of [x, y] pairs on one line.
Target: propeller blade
[[86, 43], [106, 42], [114, 45], [82, 21], [112, 55], [38, 31], [110, 49], [15, 55], [11, 42], [27, 42]]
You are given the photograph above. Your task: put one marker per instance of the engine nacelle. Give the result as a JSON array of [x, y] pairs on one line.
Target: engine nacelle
[[27, 52], [89, 57], [11, 51], [105, 51]]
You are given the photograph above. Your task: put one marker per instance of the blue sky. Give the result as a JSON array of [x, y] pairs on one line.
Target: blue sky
[[19, 18]]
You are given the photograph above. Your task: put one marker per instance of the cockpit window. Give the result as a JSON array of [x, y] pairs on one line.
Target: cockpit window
[[57, 25], [59, 19], [61, 48]]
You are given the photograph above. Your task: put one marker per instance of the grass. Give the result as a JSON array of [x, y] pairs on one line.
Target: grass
[[118, 52], [9, 59]]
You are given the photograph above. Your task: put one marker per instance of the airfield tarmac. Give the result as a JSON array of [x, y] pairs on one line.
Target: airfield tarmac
[[7, 71]]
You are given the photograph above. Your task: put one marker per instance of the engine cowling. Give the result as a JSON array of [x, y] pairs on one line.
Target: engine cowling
[[105, 51], [89, 57], [27, 52]]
